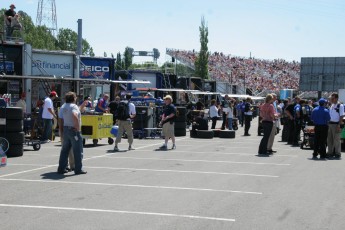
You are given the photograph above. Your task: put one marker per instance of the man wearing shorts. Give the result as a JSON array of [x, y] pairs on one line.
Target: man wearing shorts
[[167, 122]]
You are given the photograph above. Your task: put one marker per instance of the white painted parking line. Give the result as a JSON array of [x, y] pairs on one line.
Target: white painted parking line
[[118, 211], [164, 170], [133, 186], [205, 161], [222, 152], [85, 159], [26, 171], [184, 171]]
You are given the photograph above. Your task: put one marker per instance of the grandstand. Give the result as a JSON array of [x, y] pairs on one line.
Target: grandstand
[[255, 75]]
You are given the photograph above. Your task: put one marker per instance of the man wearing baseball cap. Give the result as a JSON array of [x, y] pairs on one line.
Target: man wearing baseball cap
[[167, 122], [320, 116], [9, 14], [47, 116]]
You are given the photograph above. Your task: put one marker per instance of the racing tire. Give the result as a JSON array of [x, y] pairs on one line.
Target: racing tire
[[193, 134], [15, 151], [205, 134], [181, 111], [181, 118], [14, 126], [216, 132], [17, 138], [227, 134], [12, 113], [180, 125], [180, 132]]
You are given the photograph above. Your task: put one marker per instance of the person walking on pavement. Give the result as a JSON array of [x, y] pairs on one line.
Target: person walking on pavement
[[70, 116], [267, 113], [47, 115], [320, 117], [167, 123], [336, 112], [274, 128], [125, 112], [248, 116]]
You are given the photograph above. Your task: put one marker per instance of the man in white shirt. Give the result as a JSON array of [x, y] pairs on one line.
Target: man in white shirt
[[21, 103], [336, 111], [47, 116]]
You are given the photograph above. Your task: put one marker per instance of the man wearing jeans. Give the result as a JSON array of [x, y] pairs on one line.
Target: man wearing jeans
[[71, 123], [47, 116]]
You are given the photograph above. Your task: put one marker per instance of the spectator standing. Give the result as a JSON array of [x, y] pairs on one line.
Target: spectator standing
[[102, 104], [239, 112], [47, 115], [230, 115], [225, 106], [320, 116], [70, 119], [289, 112], [200, 105], [274, 128], [336, 112], [87, 102], [126, 112], [248, 116], [298, 118], [167, 123], [267, 114], [21, 102], [113, 108], [213, 113]]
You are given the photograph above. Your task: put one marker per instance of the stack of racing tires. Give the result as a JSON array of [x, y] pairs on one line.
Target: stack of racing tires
[[11, 128], [180, 121]]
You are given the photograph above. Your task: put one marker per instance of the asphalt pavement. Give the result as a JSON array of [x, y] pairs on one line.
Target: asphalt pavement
[[203, 184]]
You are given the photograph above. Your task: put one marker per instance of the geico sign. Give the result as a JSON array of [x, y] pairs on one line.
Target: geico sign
[[95, 68]]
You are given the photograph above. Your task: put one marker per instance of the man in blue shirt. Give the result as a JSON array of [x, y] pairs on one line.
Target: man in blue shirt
[[298, 117], [102, 105], [320, 116]]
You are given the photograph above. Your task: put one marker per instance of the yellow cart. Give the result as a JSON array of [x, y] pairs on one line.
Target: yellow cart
[[96, 127]]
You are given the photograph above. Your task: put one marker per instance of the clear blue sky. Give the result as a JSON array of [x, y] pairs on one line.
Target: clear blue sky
[[288, 29]]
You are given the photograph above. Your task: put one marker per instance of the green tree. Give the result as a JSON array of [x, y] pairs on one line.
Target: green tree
[[201, 62], [128, 57], [118, 62], [67, 40]]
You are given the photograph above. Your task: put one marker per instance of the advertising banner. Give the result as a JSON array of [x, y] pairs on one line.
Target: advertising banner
[[95, 68], [52, 64]]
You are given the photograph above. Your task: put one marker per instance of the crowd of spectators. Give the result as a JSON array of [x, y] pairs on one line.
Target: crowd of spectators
[[255, 74]]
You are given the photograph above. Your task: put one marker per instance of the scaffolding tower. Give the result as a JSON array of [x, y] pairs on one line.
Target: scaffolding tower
[[46, 15]]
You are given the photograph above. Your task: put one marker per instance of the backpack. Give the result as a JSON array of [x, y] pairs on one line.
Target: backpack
[[338, 107], [123, 111]]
